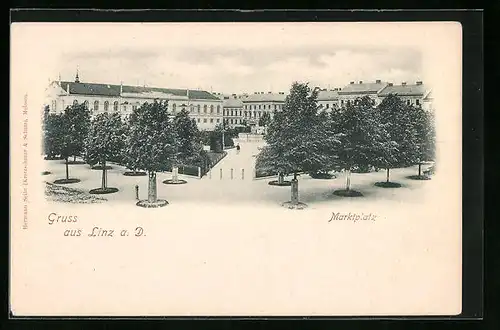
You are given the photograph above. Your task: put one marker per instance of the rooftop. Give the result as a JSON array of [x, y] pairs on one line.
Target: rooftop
[[363, 88], [326, 95], [265, 97], [404, 90], [114, 90], [232, 102]]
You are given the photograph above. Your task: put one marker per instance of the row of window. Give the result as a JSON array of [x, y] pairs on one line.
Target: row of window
[[243, 113], [198, 108], [206, 120], [258, 106]]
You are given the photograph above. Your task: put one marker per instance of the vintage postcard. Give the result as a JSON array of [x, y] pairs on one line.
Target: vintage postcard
[[236, 169]]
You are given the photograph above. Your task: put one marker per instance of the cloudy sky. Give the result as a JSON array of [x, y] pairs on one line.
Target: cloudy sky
[[231, 57]]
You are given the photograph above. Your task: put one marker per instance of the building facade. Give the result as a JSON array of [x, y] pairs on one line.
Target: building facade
[[351, 92], [412, 94], [204, 108], [255, 105], [328, 99], [233, 111]]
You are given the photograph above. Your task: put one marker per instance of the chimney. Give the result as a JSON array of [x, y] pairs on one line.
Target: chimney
[[419, 83], [352, 82], [361, 81], [389, 84], [378, 81], [403, 83], [268, 92]]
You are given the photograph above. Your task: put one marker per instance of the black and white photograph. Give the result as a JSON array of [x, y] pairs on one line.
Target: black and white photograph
[[237, 168]]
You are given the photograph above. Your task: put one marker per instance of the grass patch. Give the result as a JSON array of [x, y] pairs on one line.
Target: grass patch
[[385, 184], [99, 167], [170, 181], [148, 205], [66, 181], [348, 193], [75, 162], [69, 195], [277, 183], [135, 173], [322, 175], [418, 177], [107, 190]]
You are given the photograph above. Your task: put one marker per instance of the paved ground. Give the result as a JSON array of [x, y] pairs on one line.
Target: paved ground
[[235, 191]]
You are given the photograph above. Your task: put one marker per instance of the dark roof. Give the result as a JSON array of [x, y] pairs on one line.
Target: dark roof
[[363, 88], [404, 90], [114, 90]]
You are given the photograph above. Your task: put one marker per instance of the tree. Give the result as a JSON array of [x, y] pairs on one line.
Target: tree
[[73, 129], [52, 135], [105, 141], [188, 140], [424, 135], [222, 131], [298, 137], [362, 138], [265, 119], [397, 148], [152, 145]]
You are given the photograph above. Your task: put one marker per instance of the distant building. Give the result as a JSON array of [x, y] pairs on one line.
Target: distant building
[[413, 94], [357, 90], [233, 111], [328, 99], [203, 107], [254, 105]]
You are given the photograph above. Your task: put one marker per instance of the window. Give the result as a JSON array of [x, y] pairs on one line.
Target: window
[[54, 103], [96, 105], [245, 113], [115, 106], [327, 106], [204, 120], [174, 107], [75, 102], [134, 107], [218, 120], [231, 112], [255, 114], [211, 109], [86, 104], [199, 109], [231, 120], [211, 120], [417, 102], [124, 108], [198, 118], [205, 108], [106, 106], [218, 109], [191, 108], [408, 102], [275, 107]]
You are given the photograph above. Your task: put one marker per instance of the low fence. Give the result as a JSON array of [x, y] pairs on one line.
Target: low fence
[[214, 159], [230, 174]]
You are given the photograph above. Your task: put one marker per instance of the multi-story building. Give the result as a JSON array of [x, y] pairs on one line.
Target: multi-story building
[[233, 111], [204, 107], [415, 94], [328, 99], [255, 105], [357, 90]]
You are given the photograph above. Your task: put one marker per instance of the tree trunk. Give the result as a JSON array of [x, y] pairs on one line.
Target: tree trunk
[[175, 174], [280, 178], [152, 188], [74, 158], [348, 179], [103, 179], [295, 190], [67, 169], [419, 169], [387, 175]]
